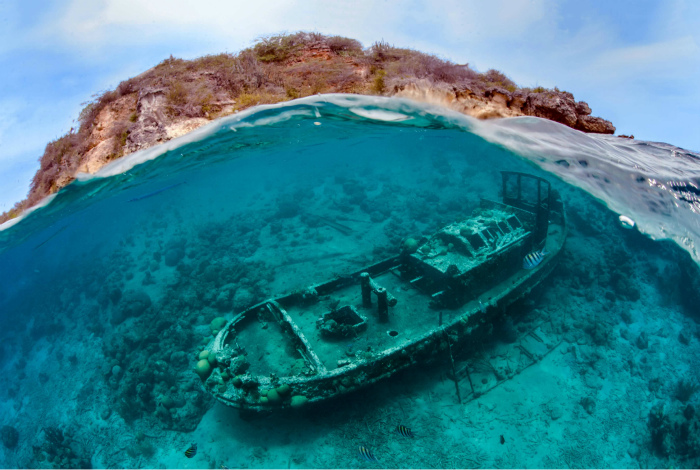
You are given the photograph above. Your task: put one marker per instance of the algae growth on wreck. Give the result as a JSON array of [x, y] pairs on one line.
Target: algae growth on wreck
[[111, 291]]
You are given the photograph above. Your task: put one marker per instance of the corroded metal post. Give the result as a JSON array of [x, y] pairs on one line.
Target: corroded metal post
[[366, 290], [454, 370], [382, 304]]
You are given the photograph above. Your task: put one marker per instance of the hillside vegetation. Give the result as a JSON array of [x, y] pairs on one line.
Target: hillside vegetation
[[177, 96]]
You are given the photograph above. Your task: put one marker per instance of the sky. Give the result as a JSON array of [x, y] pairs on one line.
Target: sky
[[636, 63]]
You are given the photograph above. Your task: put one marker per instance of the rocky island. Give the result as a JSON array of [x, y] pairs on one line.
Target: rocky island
[[178, 96]]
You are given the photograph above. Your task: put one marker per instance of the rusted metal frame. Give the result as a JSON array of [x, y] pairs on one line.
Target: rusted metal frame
[[315, 361]]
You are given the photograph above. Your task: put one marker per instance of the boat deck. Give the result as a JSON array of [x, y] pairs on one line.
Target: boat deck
[[269, 349], [410, 318], [272, 349]]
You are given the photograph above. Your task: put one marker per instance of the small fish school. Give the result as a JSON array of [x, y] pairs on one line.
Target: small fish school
[[366, 454], [404, 431]]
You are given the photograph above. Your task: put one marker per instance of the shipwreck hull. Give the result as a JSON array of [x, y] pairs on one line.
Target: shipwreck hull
[[338, 336]]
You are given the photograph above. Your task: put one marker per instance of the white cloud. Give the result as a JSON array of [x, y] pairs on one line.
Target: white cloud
[[481, 21], [94, 24], [91, 24], [659, 58]]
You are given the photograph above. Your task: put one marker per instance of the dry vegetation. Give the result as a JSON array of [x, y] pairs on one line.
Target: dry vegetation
[[275, 69]]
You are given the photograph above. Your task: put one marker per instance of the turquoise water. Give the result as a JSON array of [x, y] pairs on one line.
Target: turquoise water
[[107, 293]]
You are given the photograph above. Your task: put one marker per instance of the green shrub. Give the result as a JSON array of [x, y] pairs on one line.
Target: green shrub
[[493, 77], [378, 85], [120, 130], [122, 138], [275, 49], [245, 100], [177, 94], [247, 73], [88, 113], [291, 92], [248, 99], [209, 62], [338, 44], [281, 47], [383, 51], [319, 86]]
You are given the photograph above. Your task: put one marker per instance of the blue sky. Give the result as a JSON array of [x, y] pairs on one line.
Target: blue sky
[[636, 63]]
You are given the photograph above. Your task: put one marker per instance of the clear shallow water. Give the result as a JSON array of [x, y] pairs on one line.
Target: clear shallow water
[[107, 291]]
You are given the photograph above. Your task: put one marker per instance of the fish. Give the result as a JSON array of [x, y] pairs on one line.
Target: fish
[[404, 431], [345, 230], [157, 191], [367, 454], [191, 452], [55, 233], [533, 259], [503, 439]]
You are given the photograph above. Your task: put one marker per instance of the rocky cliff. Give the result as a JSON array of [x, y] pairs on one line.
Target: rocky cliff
[[497, 102], [177, 96]]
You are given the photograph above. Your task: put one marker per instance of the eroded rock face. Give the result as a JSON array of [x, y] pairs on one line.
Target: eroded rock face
[[517, 99], [556, 107], [149, 129], [497, 102], [595, 124], [563, 108], [582, 108]]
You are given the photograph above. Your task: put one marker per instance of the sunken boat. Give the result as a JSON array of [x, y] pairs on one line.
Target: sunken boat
[[438, 295]]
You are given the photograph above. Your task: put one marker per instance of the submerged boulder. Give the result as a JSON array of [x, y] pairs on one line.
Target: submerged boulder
[[133, 304], [674, 432], [174, 255], [9, 437]]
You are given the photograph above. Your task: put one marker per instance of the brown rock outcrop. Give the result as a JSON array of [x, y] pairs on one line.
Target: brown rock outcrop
[[562, 107], [497, 102], [149, 129], [559, 107], [594, 124]]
